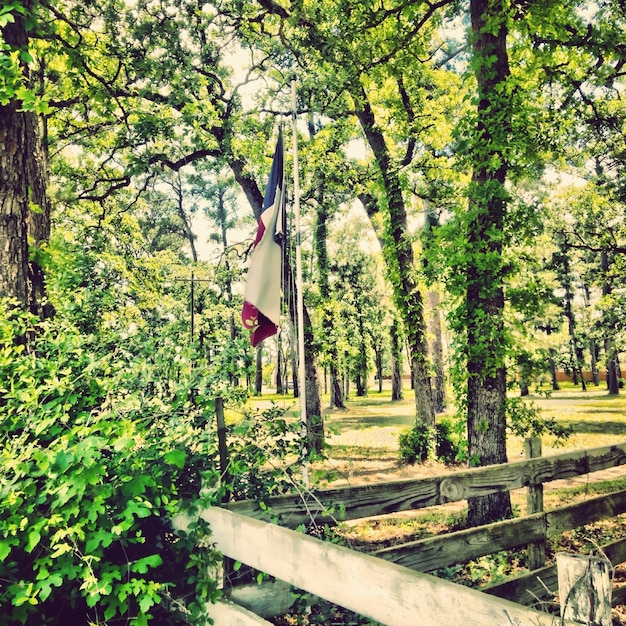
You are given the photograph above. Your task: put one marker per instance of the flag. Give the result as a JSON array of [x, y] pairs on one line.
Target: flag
[[262, 296]]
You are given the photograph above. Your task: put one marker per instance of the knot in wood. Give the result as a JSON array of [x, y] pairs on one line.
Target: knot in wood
[[450, 490]]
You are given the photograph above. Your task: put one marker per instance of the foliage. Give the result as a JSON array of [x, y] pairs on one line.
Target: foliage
[[265, 451], [415, 444], [524, 420], [95, 462]]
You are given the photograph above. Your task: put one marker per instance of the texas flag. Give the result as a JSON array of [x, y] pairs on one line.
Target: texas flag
[[262, 297]]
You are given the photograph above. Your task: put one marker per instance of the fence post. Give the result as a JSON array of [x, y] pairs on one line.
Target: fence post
[[228, 565], [534, 504], [584, 588], [222, 447]]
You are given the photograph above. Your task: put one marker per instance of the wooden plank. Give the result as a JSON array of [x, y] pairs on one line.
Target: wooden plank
[[225, 613], [433, 553], [534, 504], [591, 510], [385, 592], [526, 588], [390, 497]]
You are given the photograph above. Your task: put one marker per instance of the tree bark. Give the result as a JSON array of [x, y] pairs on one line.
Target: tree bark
[[24, 205], [396, 361], [398, 253], [320, 245], [436, 350], [486, 345], [612, 365], [258, 379]]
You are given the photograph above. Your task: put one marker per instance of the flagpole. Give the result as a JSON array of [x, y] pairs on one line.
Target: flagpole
[[300, 296]]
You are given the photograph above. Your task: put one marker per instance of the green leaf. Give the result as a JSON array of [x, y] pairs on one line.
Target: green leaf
[[143, 565], [34, 537], [176, 457]]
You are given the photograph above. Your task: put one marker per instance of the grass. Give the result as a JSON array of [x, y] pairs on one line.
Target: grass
[[362, 440]]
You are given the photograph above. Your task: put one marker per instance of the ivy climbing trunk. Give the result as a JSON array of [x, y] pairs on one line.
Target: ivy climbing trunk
[[399, 258], [396, 360], [24, 207], [486, 343]]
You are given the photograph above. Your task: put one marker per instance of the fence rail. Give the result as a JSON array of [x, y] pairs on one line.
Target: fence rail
[[379, 590], [347, 503], [396, 589]]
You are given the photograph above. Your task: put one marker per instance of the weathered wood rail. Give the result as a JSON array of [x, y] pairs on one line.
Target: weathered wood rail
[[393, 587], [382, 591], [326, 506]]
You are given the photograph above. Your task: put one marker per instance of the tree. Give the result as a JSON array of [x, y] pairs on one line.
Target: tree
[[484, 304], [24, 205], [343, 85]]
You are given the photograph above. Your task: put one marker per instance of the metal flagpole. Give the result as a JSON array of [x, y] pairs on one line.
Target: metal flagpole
[[300, 297]]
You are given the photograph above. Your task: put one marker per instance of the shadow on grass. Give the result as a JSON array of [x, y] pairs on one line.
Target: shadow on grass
[[603, 427], [359, 453], [362, 422]]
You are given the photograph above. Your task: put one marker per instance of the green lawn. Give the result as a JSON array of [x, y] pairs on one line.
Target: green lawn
[[363, 438]]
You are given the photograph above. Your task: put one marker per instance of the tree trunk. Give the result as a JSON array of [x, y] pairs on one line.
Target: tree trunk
[[258, 379], [311, 392], [576, 350], [593, 350], [436, 350], [486, 343], [612, 369], [612, 364], [336, 393], [396, 361], [23, 184], [555, 382], [398, 254], [279, 365], [315, 415], [293, 357]]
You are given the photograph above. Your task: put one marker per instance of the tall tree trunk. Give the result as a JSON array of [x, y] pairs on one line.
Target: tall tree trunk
[[320, 245], [293, 359], [396, 361], [436, 350], [398, 253], [612, 365], [486, 344], [311, 392], [562, 262], [361, 358], [555, 382], [612, 368], [378, 360], [593, 351], [279, 365], [23, 186], [258, 379], [336, 392]]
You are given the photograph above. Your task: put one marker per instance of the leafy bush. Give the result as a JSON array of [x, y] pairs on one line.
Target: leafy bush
[[524, 419], [416, 444], [99, 450]]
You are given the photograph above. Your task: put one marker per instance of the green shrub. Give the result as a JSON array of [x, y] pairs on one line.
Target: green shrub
[[417, 443], [93, 465], [448, 450]]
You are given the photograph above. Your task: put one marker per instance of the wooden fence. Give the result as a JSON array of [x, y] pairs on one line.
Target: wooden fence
[[393, 587]]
